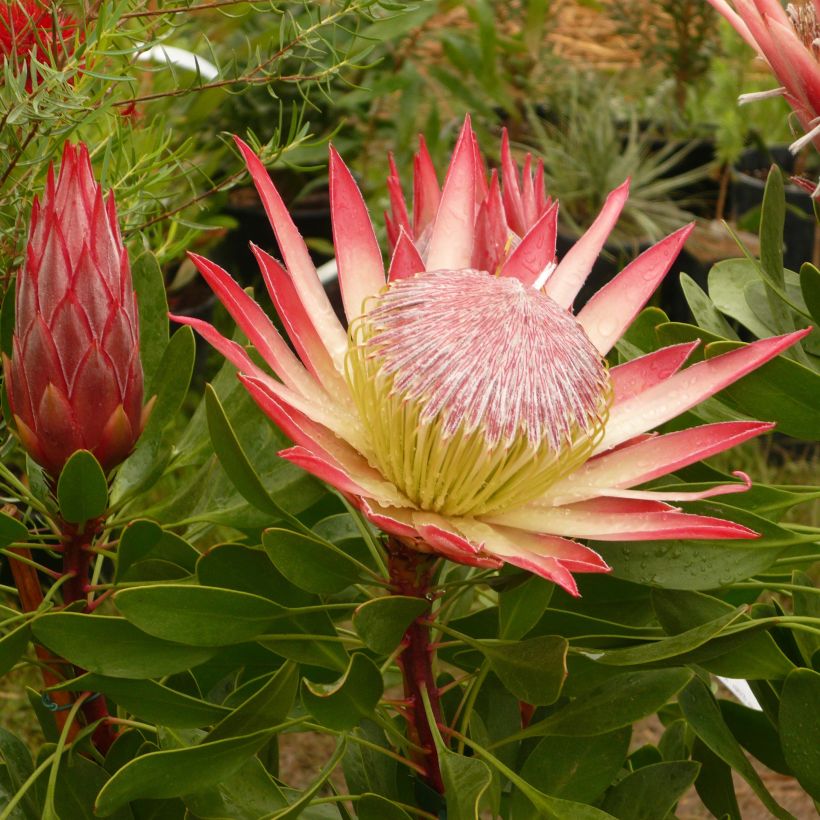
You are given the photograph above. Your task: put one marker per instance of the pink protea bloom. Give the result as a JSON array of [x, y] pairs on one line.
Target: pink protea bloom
[[789, 41], [468, 412], [75, 377]]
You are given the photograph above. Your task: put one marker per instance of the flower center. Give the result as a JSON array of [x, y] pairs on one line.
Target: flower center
[[478, 392], [804, 19]]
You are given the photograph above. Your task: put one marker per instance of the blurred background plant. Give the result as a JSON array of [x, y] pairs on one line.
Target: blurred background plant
[[151, 85]]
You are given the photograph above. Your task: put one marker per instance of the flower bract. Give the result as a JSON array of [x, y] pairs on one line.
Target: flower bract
[[466, 409], [75, 378]]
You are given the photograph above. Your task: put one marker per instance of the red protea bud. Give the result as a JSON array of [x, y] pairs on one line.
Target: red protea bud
[[75, 377]]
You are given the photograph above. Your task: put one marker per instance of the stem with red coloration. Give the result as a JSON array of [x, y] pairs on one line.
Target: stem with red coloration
[[410, 574], [77, 557]]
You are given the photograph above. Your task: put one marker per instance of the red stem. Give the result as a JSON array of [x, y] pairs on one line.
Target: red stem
[[77, 557], [410, 574]]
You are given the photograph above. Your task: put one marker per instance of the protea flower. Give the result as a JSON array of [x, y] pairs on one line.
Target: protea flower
[[465, 409], [789, 41], [75, 377], [29, 28]]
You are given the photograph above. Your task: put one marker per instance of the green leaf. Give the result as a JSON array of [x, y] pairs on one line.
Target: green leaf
[[11, 530], [153, 314], [268, 706], [620, 701], [806, 604], [800, 727], [574, 768], [521, 607], [650, 793], [747, 655], [703, 309], [702, 713], [299, 638], [714, 784], [772, 218], [151, 701], [377, 807], [533, 670], [171, 384], [113, 647], [701, 564], [177, 772], [234, 460], [365, 768], [78, 783], [196, 615], [667, 648], [728, 281], [311, 564], [756, 734], [12, 646], [781, 390], [382, 622], [7, 319], [810, 287], [18, 767], [341, 705], [82, 490], [465, 781], [248, 794], [145, 540]]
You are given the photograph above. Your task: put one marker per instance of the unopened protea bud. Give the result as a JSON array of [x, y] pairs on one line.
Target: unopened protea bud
[[75, 378]]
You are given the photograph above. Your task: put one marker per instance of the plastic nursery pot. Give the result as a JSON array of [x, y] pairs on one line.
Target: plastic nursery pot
[[748, 182]]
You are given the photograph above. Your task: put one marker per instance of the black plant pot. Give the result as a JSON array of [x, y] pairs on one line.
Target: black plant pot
[[748, 183]]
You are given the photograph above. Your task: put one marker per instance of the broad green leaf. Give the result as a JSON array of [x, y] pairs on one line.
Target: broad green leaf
[[341, 705], [171, 383], [651, 792], [267, 707], [727, 285], [11, 530], [82, 490], [756, 734], [382, 622], [810, 286], [17, 769], [520, 607], [153, 314], [365, 768], [196, 615], [311, 564], [113, 647], [701, 564], [619, 702], [12, 646], [142, 540], [375, 807], [572, 768], [308, 638], [666, 648], [714, 783], [800, 727], [781, 390], [806, 604], [7, 320], [177, 772], [772, 218], [701, 711], [151, 701], [706, 314], [640, 336], [743, 655], [466, 779], [533, 670], [78, 784], [233, 459], [233, 566], [248, 794]]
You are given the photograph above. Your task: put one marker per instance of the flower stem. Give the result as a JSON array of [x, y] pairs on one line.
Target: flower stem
[[77, 556], [411, 574]]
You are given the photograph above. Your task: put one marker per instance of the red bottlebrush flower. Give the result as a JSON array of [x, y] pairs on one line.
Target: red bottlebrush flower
[[27, 26], [75, 377], [467, 411]]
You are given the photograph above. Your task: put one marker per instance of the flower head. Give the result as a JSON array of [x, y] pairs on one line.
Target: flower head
[[75, 377], [29, 27], [789, 41], [465, 409]]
